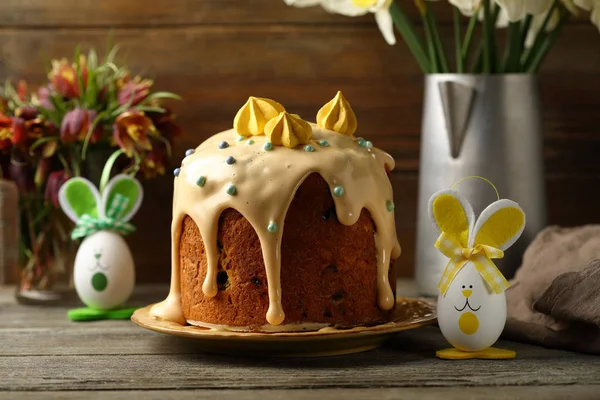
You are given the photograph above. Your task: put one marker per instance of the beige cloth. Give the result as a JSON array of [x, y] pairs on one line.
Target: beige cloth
[[554, 299]]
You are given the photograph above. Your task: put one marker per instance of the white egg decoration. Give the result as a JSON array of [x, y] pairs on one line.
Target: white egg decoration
[[104, 271], [472, 302]]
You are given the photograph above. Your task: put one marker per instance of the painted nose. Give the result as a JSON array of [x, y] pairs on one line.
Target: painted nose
[[467, 293]]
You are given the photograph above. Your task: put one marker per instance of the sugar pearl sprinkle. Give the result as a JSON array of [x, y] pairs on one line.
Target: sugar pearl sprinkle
[[240, 138], [308, 148], [223, 145], [272, 227], [250, 141], [230, 160], [189, 152], [369, 143], [176, 171], [361, 142], [390, 205], [268, 146], [338, 191], [201, 181], [231, 190], [323, 143]]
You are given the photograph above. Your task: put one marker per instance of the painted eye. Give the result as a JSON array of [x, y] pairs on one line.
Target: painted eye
[[470, 286], [464, 286]]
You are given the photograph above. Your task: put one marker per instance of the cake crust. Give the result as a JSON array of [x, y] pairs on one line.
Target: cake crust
[[328, 270]]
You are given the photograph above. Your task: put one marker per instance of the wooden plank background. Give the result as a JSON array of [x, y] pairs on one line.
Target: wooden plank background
[[216, 53]]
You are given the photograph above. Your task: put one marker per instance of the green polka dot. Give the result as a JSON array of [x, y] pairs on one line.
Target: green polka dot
[[308, 148], [390, 205], [201, 181], [323, 143], [250, 141], [272, 227], [268, 146], [338, 191], [99, 281], [240, 138], [231, 190]]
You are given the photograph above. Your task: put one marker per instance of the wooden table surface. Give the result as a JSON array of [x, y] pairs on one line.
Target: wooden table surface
[[47, 356]]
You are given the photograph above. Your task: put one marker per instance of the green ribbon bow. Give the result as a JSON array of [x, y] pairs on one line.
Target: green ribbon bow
[[87, 225]]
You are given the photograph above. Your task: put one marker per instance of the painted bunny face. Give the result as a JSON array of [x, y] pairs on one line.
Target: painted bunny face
[[472, 303], [104, 272]]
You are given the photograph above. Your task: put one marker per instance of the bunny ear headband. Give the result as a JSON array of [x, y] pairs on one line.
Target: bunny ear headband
[[92, 212], [463, 239]]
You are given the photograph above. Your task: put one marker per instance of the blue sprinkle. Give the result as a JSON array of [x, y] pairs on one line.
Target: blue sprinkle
[[240, 138], [369, 143], [201, 181], [230, 160], [189, 152], [268, 146], [308, 148], [272, 227], [338, 191], [250, 141], [223, 145], [231, 190], [323, 143], [176, 171], [390, 205], [362, 142]]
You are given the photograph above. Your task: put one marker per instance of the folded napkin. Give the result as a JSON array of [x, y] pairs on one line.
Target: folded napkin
[[554, 299]]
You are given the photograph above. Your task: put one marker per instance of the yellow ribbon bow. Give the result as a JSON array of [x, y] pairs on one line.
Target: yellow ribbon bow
[[480, 255]]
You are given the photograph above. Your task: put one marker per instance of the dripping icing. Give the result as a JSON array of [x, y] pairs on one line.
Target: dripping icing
[[266, 183]]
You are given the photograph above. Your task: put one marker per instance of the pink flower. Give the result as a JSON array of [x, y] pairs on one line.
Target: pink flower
[[76, 124], [43, 94], [134, 92], [55, 180]]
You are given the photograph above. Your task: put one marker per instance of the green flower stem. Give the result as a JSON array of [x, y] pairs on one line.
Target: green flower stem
[[409, 35], [437, 41], [105, 177], [547, 44], [466, 46], [434, 64], [487, 38], [512, 51], [457, 41], [540, 38]]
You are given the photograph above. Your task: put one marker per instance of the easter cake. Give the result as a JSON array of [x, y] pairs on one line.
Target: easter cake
[[283, 225]]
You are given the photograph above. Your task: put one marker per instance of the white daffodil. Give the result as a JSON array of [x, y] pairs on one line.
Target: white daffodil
[[354, 8], [536, 24], [593, 6], [466, 7], [517, 9], [302, 3]]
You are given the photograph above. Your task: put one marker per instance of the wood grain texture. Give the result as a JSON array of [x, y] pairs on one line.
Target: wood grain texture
[[49, 354], [580, 392], [216, 53]]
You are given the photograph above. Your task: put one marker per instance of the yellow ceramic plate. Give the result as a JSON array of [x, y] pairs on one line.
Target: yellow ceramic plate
[[410, 314]]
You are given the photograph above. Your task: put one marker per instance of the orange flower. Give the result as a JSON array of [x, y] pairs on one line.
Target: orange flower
[[5, 131], [63, 78], [76, 124], [154, 162], [134, 91], [130, 131]]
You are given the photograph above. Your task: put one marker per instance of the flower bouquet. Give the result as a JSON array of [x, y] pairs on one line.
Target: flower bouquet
[[532, 28], [90, 113]]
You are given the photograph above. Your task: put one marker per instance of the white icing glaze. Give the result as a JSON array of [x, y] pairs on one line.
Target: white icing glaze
[[266, 182]]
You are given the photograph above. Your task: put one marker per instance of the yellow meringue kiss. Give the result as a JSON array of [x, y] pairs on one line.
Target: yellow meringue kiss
[[337, 115], [251, 119], [288, 130]]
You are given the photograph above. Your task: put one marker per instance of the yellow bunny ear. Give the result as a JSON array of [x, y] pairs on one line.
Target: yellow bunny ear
[[499, 225], [452, 214]]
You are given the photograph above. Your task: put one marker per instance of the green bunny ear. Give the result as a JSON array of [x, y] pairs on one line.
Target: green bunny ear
[[77, 197], [124, 191]]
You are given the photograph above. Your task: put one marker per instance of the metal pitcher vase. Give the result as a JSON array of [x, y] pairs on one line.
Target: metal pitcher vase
[[482, 125]]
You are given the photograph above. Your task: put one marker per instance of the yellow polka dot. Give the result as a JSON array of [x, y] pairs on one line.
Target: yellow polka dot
[[468, 323]]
